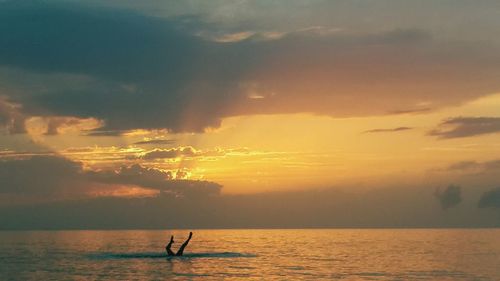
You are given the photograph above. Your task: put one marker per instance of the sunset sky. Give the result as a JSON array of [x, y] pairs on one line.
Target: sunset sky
[[249, 113]]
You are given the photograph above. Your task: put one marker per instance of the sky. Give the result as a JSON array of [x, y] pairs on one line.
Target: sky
[[219, 114]]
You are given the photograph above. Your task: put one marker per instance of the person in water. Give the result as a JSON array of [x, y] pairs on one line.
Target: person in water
[[181, 249]]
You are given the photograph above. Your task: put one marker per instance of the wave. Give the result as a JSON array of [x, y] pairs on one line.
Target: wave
[[151, 255]]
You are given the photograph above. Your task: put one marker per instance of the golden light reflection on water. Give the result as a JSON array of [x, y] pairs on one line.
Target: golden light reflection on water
[[253, 254]]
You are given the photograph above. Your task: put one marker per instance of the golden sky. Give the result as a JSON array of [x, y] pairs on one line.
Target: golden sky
[[256, 153], [238, 98]]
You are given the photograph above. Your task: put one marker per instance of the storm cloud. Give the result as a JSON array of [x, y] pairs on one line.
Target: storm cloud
[[135, 71]]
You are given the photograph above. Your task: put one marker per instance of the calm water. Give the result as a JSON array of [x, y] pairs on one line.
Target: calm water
[[252, 254]]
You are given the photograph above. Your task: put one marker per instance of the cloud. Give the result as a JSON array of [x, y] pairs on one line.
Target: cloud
[[464, 165], [491, 165], [164, 181], [55, 125], [465, 22], [110, 133], [450, 197], [398, 129], [490, 199], [168, 158], [135, 71], [389, 207], [460, 127], [55, 177], [11, 117], [170, 153], [155, 142], [187, 151], [40, 175], [411, 111], [474, 166]]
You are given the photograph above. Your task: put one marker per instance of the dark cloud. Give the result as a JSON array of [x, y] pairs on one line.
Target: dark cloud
[[103, 43], [122, 48], [150, 72], [490, 199], [463, 20], [449, 197], [460, 127], [164, 181], [155, 142], [55, 177], [39, 175], [398, 129]]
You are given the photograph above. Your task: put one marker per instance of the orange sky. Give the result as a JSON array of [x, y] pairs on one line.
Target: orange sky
[[352, 110], [258, 153]]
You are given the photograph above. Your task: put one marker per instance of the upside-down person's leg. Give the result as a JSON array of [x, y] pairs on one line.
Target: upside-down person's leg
[[169, 251], [181, 249]]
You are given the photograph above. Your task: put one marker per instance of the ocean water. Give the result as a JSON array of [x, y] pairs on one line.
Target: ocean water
[[319, 254]]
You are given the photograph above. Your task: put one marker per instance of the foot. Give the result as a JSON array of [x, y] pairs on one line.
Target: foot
[[190, 235], [172, 239]]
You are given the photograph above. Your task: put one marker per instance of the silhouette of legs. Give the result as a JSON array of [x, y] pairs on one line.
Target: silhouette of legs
[[169, 251], [181, 249]]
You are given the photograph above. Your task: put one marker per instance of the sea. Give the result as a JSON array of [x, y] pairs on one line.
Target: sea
[[253, 254]]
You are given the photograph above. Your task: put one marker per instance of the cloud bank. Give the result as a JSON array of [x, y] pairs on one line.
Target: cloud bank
[[134, 71], [55, 178], [396, 207], [60, 193]]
